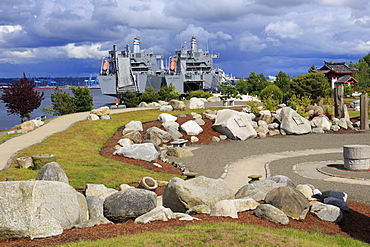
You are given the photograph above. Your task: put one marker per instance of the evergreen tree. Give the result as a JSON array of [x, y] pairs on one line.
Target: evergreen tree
[[253, 84], [283, 81], [311, 69], [363, 74], [62, 102], [313, 85], [83, 99], [21, 98]]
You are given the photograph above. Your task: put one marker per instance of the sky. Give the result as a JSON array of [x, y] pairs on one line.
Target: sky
[[68, 38]]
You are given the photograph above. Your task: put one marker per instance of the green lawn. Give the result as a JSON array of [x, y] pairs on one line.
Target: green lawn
[[224, 234], [77, 150]]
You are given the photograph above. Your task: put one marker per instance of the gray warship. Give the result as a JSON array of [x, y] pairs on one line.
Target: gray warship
[[135, 70]]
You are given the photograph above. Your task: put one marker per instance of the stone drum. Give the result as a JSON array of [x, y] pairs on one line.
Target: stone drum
[[356, 157]]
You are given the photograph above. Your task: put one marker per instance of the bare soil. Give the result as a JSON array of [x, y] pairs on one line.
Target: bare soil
[[355, 223]]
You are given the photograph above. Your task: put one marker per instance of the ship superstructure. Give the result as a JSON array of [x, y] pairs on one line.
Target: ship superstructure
[[188, 70]]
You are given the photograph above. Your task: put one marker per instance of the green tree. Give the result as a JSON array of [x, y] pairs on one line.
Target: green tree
[[253, 84], [363, 74], [149, 96], [62, 103], [21, 98], [228, 92], [283, 82], [131, 99], [311, 69], [169, 92], [272, 91], [313, 85], [82, 98]]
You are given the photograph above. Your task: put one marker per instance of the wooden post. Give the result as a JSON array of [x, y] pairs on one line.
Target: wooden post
[[338, 100], [364, 112]]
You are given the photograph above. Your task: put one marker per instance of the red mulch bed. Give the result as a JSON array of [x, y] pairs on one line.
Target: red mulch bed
[[355, 223]]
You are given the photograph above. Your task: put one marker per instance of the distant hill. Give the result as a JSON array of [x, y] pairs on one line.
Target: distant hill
[[61, 81]]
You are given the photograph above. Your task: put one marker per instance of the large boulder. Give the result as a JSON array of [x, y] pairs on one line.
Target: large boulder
[[271, 213], [181, 195], [28, 125], [95, 207], [195, 103], [99, 190], [144, 151], [326, 212], [191, 128], [321, 121], [234, 125], [37, 209], [290, 201], [128, 204], [293, 123], [225, 208], [157, 136], [166, 117], [159, 213], [134, 125], [177, 105], [52, 172], [133, 135], [258, 190], [102, 111]]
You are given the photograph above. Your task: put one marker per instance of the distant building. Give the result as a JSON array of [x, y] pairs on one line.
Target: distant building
[[338, 73]]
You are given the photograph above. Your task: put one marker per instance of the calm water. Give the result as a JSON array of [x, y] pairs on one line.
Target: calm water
[[9, 121]]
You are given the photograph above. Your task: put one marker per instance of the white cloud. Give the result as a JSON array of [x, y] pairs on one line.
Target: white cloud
[[250, 43], [283, 29], [84, 51]]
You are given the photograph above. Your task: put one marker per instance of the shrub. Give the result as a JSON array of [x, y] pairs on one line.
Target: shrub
[[199, 94], [253, 106], [272, 91], [131, 99], [149, 96], [168, 92], [300, 104], [82, 98], [270, 103]]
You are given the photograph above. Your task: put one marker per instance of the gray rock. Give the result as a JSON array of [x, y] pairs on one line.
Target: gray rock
[[134, 125], [200, 121], [321, 121], [225, 208], [37, 209], [343, 123], [181, 195], [336, 202], [95, 207], [191, 128], [102, 111], [92, 117], [174, 133], [244, 204], [318, 130], [128, 204], [179, 152], [166, 117], [305, 190], [133, 135], [335, 128], [180, 115], [105, 117], [271, 213], [336, 194], [165, 108], [52, 172], [125, 141], [157, 136], [195, 103], [94, 222], [199, 209], [159, 213], [293, 123], [326, 212], [142, 105], [281, 179], [289, 200], [215, 139], [177, 105], [234, 125], [258, 190], [99, 190], [172, 124], [84, 212], [144, 151]]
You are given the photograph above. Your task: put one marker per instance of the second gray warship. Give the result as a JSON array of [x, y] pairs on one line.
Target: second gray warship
[[134, 71]]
